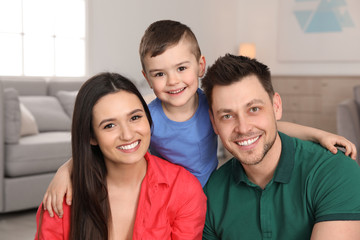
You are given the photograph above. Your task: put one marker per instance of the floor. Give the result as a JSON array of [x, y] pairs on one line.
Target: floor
[[18, 225]]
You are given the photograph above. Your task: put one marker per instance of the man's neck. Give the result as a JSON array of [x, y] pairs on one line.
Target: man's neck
[[262, 173]]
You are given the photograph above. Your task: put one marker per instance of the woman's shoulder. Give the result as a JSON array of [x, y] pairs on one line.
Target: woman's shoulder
[[173, 173], [53, 227]]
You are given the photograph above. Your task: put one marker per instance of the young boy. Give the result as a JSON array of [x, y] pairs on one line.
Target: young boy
[[182, 134]]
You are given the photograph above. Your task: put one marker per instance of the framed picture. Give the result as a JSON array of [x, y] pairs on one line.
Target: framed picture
[[319, 30]]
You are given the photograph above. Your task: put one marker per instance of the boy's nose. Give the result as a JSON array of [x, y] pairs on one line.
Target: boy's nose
[[172, 79]]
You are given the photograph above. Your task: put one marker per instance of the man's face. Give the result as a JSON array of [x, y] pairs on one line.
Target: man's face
[[245, 119]]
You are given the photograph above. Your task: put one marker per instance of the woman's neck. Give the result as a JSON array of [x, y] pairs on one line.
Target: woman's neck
[[124, 187], [126, 175]]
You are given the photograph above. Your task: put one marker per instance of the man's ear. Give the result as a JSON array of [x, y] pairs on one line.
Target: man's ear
[[202, 66], [145, 76], [213, 122], [277, 105], [93, 141]]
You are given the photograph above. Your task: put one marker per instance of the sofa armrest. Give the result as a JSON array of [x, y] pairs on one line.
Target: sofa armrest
[[348, 122]]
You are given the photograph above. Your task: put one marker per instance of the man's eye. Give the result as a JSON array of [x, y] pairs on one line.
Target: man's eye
[[227, 116], [254, 109], [110, 125], [181, 69]]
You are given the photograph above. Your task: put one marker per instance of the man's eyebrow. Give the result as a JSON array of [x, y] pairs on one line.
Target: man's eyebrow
[[223, 110], [255, 101], [249, 104]]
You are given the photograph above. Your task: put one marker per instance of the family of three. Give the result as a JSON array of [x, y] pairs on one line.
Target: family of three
[[117, 185]]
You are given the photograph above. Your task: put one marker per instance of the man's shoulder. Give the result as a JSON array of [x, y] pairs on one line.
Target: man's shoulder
[[317, 160], [221, 176]]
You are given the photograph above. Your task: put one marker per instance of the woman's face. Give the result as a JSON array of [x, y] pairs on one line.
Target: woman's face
[[121, 128]]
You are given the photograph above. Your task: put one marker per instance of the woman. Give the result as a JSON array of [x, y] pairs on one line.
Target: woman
[[120, 191]]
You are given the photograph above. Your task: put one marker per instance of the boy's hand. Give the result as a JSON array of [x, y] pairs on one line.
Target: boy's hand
[[331, 141], [57, 189]]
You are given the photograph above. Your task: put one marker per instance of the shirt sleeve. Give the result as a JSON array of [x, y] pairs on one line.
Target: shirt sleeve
[[334, 190], [190, 216], [52, 227]]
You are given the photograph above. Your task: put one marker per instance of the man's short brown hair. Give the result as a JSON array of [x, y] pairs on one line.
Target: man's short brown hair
[[230, 69]]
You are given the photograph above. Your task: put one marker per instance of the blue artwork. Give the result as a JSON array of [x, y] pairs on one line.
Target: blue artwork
[[327, 16]]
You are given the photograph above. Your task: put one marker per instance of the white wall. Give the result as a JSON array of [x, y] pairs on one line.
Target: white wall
[[116, 27], [257, 21]]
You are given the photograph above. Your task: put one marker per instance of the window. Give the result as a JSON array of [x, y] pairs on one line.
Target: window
[[42, 38]]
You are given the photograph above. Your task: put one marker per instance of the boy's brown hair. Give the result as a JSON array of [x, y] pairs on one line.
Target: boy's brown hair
[[163, 34]]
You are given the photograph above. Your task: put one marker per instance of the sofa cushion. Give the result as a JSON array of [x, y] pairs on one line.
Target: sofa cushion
[[12, 115], [67, 101], [41, 153], [48, 113], [28, 122]]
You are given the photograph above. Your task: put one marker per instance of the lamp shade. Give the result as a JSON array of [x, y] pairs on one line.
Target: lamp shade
[[247, 49]]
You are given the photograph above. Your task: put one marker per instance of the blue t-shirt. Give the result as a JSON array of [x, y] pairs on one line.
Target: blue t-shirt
[[191, 144]]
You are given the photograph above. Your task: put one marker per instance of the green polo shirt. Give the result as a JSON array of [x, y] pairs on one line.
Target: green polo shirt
[[310, 185]]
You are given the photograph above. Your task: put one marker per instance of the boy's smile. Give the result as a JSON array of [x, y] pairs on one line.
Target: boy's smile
[[173, 75]]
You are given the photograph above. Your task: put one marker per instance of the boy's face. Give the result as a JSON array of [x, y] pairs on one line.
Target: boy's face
[[173, 75], [245, 119]]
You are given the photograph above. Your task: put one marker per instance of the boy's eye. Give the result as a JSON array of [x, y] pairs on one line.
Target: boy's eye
[[181, 69], [159, 74], [110, 125], [254, 109]]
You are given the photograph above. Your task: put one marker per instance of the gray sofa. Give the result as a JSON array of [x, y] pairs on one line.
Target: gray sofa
[[35, 120], [348, 119]]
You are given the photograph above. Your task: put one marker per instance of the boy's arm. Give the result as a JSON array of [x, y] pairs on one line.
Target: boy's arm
[[59, 186], [326, 139]]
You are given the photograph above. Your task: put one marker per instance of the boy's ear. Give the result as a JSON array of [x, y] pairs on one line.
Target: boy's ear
[[145, 76], [202, 66], [277, 105]]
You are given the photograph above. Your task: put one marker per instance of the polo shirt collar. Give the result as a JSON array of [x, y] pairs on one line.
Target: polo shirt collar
[[285, 166]]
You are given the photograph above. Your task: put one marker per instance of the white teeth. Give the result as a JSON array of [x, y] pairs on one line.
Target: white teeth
[[248, 142], [130, 146], [174, 92]]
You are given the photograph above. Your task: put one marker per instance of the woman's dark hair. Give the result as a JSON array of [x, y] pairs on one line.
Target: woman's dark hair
[[90, 212]]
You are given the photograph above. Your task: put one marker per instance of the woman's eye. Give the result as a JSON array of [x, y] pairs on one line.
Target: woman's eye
[[254, 109], [181, 69], [133, 118], [111, 125]]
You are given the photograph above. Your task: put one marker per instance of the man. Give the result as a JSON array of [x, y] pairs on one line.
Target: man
[[275, 187]]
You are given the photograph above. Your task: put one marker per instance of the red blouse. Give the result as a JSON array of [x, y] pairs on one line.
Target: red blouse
[[172, 205]]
